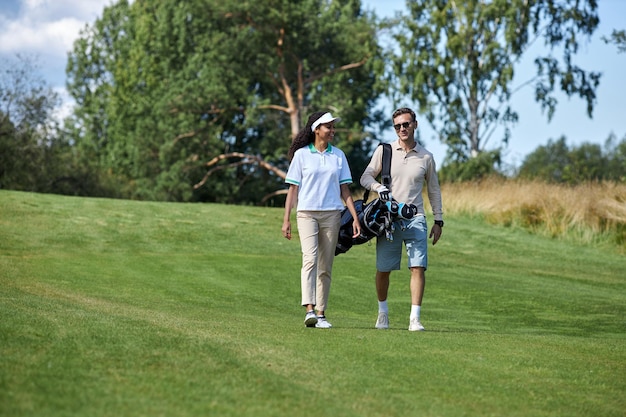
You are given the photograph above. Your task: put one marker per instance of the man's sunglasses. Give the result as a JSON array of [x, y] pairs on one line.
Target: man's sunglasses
[[404, 125]]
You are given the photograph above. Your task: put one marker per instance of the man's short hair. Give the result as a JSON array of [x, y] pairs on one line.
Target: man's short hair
[[404, 110]]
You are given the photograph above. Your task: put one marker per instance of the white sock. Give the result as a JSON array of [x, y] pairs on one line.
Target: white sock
[[415, 311], [382, 307]]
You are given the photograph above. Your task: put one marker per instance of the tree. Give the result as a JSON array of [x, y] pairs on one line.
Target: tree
[[547, 162], [28, 142], [318, 52], [618, 37], [456, 59], [170, 91], [615, 151], [557, 162]]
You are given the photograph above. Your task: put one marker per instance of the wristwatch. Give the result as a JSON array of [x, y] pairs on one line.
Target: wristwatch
[[439, 223]]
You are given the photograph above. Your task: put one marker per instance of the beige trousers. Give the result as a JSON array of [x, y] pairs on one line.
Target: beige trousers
[[318, 232]]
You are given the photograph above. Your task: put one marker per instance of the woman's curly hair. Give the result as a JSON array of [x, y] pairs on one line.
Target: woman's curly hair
[[305, 136]]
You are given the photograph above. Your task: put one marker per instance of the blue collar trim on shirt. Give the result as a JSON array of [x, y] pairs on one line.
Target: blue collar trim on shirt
[[313, 149]]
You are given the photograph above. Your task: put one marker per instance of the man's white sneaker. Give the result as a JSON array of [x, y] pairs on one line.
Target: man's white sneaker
[[322, 323], [415, 325], [383, 321], [310, 320]]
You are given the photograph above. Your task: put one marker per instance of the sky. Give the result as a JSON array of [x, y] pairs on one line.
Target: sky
[[46, 30]]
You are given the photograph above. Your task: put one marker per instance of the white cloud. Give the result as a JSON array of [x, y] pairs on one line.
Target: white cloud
[[50, 38], [46, 30], [47, 27]]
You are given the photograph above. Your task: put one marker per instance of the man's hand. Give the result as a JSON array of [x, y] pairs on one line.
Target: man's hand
[[384, 194], [435, 233]]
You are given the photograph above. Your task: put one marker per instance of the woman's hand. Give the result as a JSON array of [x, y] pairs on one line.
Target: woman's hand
[[356, 228], [287, 229]]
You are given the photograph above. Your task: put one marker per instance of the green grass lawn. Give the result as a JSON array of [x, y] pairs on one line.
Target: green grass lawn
[[123, 308]]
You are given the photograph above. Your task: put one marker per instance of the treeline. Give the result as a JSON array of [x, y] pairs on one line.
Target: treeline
[[199, 100], [556, 162]]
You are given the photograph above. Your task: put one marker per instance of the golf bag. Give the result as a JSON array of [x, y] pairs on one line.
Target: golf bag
[[374, 221], [375, 217]]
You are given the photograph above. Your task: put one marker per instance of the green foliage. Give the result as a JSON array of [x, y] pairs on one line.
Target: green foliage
[[482, 166], [457, 61], [163, 87], [618, 37], [124, 308], [557, 162], [32, 151]]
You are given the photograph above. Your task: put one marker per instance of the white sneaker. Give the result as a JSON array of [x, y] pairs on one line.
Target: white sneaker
[[310, 320], [415, 325], [322, 323], [383, 321]]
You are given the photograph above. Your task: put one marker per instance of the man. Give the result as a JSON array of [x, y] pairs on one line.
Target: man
[[412, 167]]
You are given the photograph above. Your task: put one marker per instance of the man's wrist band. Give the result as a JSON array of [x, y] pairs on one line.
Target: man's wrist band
[[439, 223]]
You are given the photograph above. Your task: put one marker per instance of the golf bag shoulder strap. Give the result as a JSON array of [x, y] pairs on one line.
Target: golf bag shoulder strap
[[385, 175], [386, 172]]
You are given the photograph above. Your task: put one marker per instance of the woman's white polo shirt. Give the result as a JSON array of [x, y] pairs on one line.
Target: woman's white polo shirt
[[319, 176]]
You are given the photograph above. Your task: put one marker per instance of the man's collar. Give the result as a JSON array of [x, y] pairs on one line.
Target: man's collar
[[398, 145]]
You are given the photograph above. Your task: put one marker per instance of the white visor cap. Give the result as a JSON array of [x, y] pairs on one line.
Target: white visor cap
[[326, 118]]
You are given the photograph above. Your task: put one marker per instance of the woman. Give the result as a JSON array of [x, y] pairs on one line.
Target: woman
[[318, 179]]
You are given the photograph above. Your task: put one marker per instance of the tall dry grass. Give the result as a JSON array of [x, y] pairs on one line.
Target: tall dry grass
[[591, 212]]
